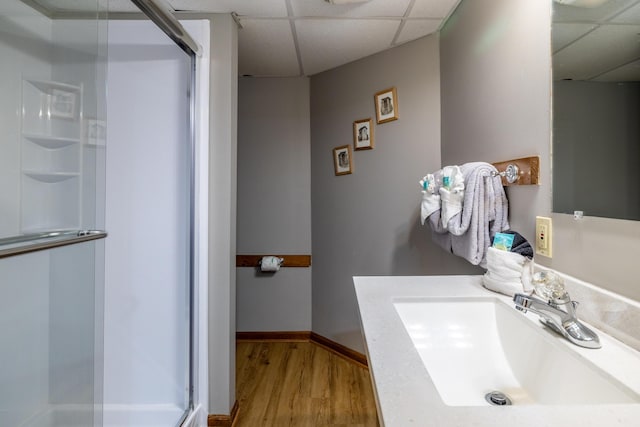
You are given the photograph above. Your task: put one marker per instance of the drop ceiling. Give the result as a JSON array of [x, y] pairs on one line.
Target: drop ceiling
[[282, 38], [598, 44]]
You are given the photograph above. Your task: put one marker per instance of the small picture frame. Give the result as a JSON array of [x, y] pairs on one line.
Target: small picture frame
[[363, 134], [63, 104], [343, 160], [96, 132], [386, 105]]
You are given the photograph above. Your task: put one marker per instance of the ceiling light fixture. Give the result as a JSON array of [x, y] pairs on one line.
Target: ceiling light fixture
[[346, 1], [582, 3]]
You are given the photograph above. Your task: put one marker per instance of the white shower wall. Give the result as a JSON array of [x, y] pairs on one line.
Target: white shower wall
[[146, 265]]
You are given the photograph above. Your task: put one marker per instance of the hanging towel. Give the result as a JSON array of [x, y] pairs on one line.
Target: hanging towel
[[442, 191], [484, 213], [430, 197], [451, 194]]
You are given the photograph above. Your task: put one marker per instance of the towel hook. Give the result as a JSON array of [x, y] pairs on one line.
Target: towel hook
[[511, 173]]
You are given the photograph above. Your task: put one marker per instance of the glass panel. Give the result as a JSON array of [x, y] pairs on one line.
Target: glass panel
[[596, 104], [52, 75], [51, 116], [148, 216], [51, 372]]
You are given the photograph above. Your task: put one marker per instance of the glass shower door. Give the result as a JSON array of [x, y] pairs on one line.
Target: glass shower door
[[51, 198], [149, 218]]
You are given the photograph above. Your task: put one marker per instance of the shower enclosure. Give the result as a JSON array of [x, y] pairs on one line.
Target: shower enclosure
[[97, 331], [51, 210]]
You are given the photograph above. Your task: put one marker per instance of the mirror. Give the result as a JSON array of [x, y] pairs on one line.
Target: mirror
[[596, 107]]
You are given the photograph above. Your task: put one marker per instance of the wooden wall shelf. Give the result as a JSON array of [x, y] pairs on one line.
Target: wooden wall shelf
[[289, 260], [529, 168]]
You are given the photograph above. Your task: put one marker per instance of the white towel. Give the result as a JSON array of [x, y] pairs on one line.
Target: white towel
[[451, 194], [430, 197], [507, 272], [484, 213]]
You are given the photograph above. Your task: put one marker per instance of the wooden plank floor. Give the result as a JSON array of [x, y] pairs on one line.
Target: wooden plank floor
[[300, 384]]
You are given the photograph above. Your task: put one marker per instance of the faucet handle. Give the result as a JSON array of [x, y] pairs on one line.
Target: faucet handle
[[550, 287], [561, 299]]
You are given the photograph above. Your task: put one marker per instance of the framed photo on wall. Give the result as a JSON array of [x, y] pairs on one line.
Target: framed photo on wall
[[363, 134], [342, 160], [386, 105]]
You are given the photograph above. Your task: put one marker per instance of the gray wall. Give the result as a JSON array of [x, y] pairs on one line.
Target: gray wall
[[274, 204], [367, 223], [495, 62], [496, 80]]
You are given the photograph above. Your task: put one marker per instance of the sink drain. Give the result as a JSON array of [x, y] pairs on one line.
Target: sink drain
[[497, 398]]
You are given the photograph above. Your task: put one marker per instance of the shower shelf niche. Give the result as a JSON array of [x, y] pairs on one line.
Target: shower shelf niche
[[51, 162], [51, 142], [51, 177]]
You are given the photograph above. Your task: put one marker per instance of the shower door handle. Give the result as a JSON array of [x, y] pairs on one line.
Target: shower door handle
[[25, 243]]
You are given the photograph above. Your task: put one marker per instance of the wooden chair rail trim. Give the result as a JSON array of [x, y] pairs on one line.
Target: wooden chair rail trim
[[215, 420], [289, 260], [307, 336]]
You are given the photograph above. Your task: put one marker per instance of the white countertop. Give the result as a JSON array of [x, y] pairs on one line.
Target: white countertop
[[406, 395]]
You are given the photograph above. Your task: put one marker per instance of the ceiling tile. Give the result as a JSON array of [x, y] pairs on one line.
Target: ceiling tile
[[86, 5], [266, 48], [416, 28], [122, 6], [563, 34], [328, 43], [268, 8], [626, 73], [630, 16], [604, 49], [433, 8], [562, 13], [373, 8]]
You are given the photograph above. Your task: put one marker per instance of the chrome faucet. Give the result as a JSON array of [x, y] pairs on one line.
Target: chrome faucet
[[562, 321]]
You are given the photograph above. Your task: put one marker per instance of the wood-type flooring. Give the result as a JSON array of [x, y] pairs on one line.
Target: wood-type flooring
[[300, 384]]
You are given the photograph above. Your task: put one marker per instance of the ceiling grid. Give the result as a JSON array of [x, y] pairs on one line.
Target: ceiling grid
[[282, 38], [600, 43]]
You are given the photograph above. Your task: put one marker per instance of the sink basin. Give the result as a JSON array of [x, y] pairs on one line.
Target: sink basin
[[474, 346]]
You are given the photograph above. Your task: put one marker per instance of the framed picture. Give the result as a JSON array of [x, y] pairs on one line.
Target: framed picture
[[386, 105], [342, 160], [63, 104], [96, 132], [363, 134]]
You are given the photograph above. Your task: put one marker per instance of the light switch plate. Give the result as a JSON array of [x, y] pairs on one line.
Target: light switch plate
[[544, 236]]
